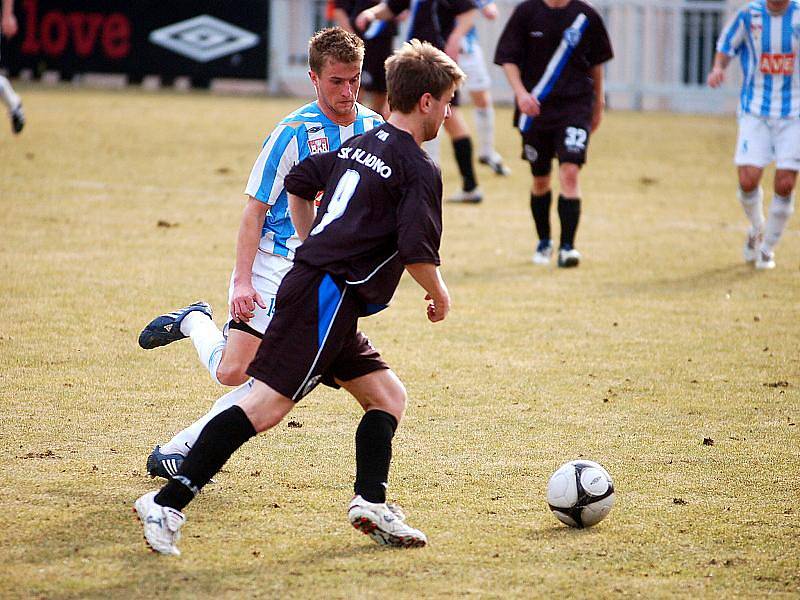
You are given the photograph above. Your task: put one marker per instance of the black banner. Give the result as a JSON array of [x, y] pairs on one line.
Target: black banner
[[202, 39]]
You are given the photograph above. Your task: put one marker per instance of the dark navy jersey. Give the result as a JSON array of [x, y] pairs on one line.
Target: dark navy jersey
[[354, 7], [423, 21], [382, 209], [447, 12], [534, 35]]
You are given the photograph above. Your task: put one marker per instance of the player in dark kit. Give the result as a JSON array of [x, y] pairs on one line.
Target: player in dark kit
[[552, 52], [425, 23], [380, 214], [378, 46]]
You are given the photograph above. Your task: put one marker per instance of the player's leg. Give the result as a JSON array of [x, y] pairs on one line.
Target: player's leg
[[538, 149], [786, 133], [160, 512], [383, 398], [166, 459], [478, 84], [13, 104], [456, 128], [572, 145], [753, 153]]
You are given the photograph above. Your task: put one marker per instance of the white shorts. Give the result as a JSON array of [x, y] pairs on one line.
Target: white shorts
[[268, 272], [470, 59], [763, 140]]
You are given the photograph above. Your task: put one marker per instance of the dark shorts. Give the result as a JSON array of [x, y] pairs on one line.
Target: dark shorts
[[313, 338], [568, 143], [240, 326], [373, 73]]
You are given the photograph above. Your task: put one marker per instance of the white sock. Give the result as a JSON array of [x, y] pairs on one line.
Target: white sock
[[207, 339], [484, 130], [184, 440], [780, 210], [434, 148], [752, 203], [7, 94]]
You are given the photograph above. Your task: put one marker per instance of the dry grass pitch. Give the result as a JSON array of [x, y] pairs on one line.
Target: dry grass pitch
[[117, 206]]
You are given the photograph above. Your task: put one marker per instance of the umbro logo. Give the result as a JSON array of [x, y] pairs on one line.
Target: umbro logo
[[204, 38], [537, 33]]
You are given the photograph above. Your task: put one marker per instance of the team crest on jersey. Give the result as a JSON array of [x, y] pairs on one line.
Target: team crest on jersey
[[318, 145]]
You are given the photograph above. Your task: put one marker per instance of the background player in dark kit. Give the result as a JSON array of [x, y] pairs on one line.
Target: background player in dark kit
[[380, 214], [555, 48], [376, 50], [425, 24]]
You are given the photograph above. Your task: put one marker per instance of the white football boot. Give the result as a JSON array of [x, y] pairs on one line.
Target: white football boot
[[474, 196], [751, 244], [162, 524], [543, 253], [765, 260], [568, 257], [384, 523]]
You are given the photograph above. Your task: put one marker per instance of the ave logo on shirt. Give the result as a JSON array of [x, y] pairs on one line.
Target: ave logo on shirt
[[776, 64], [318, 145]]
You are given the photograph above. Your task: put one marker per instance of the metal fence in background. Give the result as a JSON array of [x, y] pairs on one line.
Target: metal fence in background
[[663, 51]]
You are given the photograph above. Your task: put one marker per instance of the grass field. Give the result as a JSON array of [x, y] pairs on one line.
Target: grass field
[[117, 206]]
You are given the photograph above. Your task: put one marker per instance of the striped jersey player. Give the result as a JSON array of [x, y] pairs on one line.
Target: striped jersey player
[[765, 35], [266, 240]]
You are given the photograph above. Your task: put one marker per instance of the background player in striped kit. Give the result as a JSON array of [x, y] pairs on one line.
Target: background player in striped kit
[[478, 85], [9, 27], [378, 46], [766, 37], [426, 24], [552, 52], [267, 240], [380, 215]]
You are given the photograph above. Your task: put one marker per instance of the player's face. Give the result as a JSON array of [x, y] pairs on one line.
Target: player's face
[[337, 88], [440, 110], [777, 6]]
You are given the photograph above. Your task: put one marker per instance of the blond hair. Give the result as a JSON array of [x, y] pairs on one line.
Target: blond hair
[[417, 68], [335, 44]]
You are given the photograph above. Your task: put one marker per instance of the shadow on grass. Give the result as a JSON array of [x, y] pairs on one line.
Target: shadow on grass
[[719, 278]]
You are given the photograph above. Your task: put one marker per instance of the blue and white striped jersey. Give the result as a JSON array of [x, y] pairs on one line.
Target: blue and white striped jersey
[[304, 132], [768, 48]]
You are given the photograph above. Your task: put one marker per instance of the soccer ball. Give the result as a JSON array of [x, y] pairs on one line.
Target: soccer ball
[[580, 493]]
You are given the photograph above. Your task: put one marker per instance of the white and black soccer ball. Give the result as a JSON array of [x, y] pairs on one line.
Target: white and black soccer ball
[[580, 493]]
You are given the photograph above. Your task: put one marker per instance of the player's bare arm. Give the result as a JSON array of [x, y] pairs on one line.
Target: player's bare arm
[[9, 20], [302, 213], [464, 22], [717, 74], [342, 20], [245, 297], [526, 103], [427, 275], [379, 12], [599, 96]]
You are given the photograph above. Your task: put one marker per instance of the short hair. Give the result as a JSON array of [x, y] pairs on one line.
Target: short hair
[[417, 68], [336, 44]]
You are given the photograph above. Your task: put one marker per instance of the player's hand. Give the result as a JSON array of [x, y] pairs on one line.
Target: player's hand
[[9, 25], [715, 77], [244, 301], [453, 48], [364, 19], [528, 105], [490, 11], [438, 307]]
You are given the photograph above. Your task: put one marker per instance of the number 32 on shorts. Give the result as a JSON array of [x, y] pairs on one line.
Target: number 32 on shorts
[[575, 139]]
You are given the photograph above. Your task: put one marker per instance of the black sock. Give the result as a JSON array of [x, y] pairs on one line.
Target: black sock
[[462, 147], [569, 211], [373, 454], [540, 209], [220, 438]]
